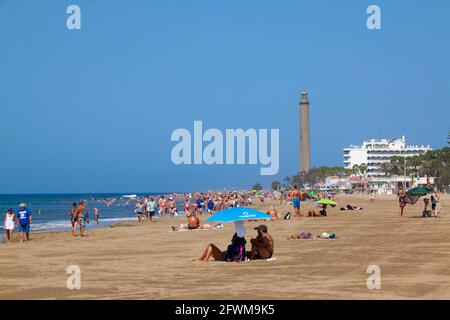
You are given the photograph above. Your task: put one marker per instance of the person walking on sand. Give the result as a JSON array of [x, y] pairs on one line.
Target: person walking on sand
[[151, 208], [72, 215], [187, 206], [172, 207], [140, 210], [295, 195], [210, 206], [82, 217], [372, 196], [162, 203], [9, 224], [25, 220], [401, 195]]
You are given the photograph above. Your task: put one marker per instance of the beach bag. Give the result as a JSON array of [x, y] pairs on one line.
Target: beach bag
[[236, 250]]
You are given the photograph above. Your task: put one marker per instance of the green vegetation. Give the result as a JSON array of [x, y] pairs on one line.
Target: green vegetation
[[257, 186]]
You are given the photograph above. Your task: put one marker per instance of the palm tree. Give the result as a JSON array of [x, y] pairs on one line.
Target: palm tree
[[413, 165], [363, 169], [386, 168], [356, 169]]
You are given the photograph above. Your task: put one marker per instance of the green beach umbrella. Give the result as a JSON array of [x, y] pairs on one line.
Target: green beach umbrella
[[326, 201], [419, 191], [312, 194]]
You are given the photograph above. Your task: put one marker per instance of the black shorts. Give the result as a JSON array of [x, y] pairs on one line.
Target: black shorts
[[152, 213], [433, 206]]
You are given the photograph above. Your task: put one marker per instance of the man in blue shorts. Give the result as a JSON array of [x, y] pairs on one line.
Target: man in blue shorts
[[25, 220], [295, 195]]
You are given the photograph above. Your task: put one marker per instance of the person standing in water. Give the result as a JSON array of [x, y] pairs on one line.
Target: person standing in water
[[96, 214]]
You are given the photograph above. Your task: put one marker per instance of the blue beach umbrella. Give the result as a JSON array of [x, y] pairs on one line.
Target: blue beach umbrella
[[237, 214]]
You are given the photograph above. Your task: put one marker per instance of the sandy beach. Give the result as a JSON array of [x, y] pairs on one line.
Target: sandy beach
[[146, 261]]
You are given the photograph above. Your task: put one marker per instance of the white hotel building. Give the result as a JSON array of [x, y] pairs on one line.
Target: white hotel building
[[376, 151]]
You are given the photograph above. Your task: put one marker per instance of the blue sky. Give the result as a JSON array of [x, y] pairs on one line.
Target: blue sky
[[92, 110]]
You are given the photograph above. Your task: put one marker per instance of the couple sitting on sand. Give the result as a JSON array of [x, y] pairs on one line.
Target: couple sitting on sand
[[262, 247]]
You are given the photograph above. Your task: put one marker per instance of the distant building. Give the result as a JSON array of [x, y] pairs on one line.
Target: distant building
[[376, 151]]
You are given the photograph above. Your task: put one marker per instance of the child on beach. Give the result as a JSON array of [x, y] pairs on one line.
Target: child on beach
[[9, 224]]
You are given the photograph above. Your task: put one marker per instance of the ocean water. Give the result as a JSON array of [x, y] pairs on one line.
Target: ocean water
[[51, 211]]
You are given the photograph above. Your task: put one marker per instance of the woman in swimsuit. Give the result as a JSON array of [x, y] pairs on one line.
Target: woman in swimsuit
[[187, 207], [401, 200]]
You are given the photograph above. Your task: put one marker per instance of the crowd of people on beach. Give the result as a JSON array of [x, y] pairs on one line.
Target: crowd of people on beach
[[23, 219], [196, 204]]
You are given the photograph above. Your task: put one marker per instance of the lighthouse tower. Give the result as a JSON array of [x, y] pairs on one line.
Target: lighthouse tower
[[305, 147]]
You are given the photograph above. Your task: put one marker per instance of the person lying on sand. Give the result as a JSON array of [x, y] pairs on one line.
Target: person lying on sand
[[193, 223], [262, 245], [310, 213], [273, 213], [313, 213], [302, 236], [350, 207]]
